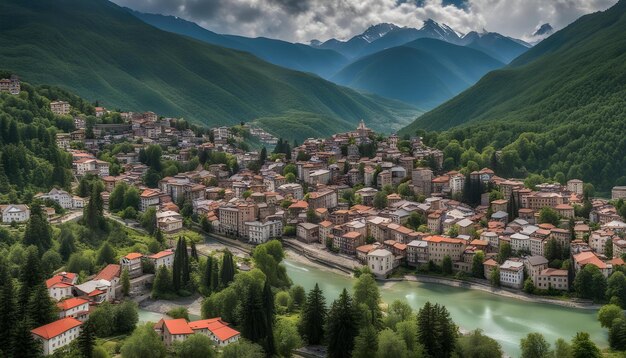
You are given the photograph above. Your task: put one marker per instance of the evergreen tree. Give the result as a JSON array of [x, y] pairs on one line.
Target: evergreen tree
[[162, 282], [67, 245], [263, 156], [313, 317], [93, 212], [215, 276], [268, 306], [194, 251], [208, 274], [253, 316], [8, 316], [366, 293], [86, 340], [185, 272], [125, 280], [341, 326], [106, 254], [227, 272], [446, 265], [41, 309], [30, 277], [435, 330], [366, 342], [38, 231], [478, 270], [24, 345]]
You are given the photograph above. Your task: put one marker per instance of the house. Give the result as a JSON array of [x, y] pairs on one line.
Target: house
[[488, 266], [307, 232], [259, 232], [381, 262], [163, 258], [149, 198], [348, 242], [132, 263], [60, 285], [216, 329], [417, 252], [520, 242], [585, 258], [169, 221], [62, 197], [534, 265], [97, 290], [57, 334], [440, 247], [512, 274], [550, 278], [14, 213], [173, 330], [60, 107], [76, 307]]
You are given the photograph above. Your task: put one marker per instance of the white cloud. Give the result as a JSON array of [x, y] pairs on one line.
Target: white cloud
[[303, 20]]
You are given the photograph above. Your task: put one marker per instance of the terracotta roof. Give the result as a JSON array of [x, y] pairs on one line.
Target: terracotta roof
[[219, 328], [588, 257], [177, 326], [133, 256], [351, 235], [61, 279], [56, 328], [161, 254], [444, 239], [108, 273], [365, 248], [71, 303], [300, 204]]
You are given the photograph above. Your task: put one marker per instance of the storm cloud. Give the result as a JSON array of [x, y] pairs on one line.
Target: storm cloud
[[304, 20]]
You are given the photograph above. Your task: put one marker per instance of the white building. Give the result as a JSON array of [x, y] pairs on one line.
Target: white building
[[148, 198], [258, 232], [163, 258], [60, 285], [14, 212], [60, 107], [75, 307], [57, 334], [380, 261], [60, 196], [575, 186], [520, 242], [512, 274], [169, 221]]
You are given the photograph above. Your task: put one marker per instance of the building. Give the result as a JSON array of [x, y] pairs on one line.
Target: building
[[550, 278], [512, 274], [60, 107], [169, 221], [323, 199], [440, 247], [173, 330], [618, 192], [75, 307], [585, 258], [575, 186], [132, 263], [57, 334], [534, 265], [60, 285], [520, 242], [14, 213], [417, 252], [62, 197], [381, 262], [348, 242], [307, 233], [10, 85], [178, 330], [149, 198], [163, 258], [260, 232]]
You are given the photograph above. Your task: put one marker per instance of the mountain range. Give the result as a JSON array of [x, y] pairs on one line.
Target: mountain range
[[101, 52], [425, 72], [564, 101]]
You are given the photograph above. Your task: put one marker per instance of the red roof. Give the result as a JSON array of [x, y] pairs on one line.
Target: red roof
[[448, 240], [61, 279], [161, 254], [219, 328], [71, 303], [133, 256], [177, 326], [95, 292], [108, 273], [56, 328]]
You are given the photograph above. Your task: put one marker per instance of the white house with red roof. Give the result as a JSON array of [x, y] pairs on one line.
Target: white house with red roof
[[57, 334], [149, 198], [60, 285], [132, 263], [173, 330], [76, 307], [163, 258]]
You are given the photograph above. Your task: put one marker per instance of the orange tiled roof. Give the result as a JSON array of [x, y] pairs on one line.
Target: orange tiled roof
[[56, 328]]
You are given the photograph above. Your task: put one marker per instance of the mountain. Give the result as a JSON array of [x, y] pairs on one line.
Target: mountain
[[543, 30], [101, 52], [294, 56], [425, 72], [500, 47], [353, 47], [567, 95]]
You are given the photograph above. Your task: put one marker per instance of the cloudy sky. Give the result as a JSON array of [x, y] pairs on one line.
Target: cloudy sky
[[304, 20]]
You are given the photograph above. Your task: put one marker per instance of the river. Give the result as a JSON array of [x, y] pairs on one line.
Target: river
[[505, 319]]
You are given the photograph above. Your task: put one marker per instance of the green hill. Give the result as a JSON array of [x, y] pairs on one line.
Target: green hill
[[425, 72], [101, 52], [568, 93]]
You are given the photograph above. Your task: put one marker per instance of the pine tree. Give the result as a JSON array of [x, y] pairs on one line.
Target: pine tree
[[215, 276], [366, 343], [87, 339], [253, 316], [125, 280], [38, 231], [177, 266], [208, 274], [194, 251], [227, 272], [30, 277], [268, 306], [162, 282], [185, 274], [313, 318], [436, 331], [67, 245], [341, 326], [25, 346], [7, 309], [41, 309]]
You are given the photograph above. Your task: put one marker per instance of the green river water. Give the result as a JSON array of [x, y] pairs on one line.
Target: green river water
[[505, 319]]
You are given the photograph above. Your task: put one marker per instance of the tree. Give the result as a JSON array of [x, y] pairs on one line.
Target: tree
[[38, 231], [529, 286], [179, 312], [30, 277], [116, 198], [549, 215], [268, 306], [366, 293], [341, 326], [8, 316], [446, 265], [366, 342], [583, 347], [243, 349], [505, 252], [617, 333], [24, 345], [267, 258], [562, 349], [313, 317], [253, 317], [477, 345], [478, 270], [198, 345], [215, 278], [194, 251], [144, 342], [148, 220], [494, 279], [380, 200], [590, 283], [41, 309], [287, 337], [208, 275], [125, 317], [398, 311], [608, 313], [50, 261], [435, 330], [407, 330], [162, 282], [125, 280], [390, 345], [106, 254], [93, 216], [86, 340], [534, 345], [616, 287], [263, 156], [227, 271], [67, 245]]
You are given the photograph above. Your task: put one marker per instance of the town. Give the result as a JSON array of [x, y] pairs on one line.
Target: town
[[351, 200]]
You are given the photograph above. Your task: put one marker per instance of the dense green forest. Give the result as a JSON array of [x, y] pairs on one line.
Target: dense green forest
[[560, 107], [101, 52], [30, 160]]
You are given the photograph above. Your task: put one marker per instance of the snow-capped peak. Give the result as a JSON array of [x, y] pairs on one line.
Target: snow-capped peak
[[440, 31], [543, 30], [375, 32]]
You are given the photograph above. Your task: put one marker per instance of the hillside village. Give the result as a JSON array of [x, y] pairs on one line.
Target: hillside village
[[355, 198]]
